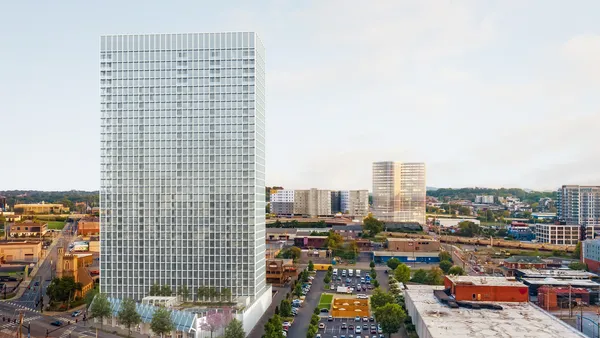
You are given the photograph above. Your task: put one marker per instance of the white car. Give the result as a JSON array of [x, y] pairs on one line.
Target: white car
[[284, 333], [362, 296]]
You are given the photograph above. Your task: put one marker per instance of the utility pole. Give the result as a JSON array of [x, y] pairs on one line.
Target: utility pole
[[570, 309]]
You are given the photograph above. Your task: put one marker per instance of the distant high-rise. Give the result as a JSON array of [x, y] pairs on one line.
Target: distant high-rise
[[183, 164], [578, 204], [399, 191]]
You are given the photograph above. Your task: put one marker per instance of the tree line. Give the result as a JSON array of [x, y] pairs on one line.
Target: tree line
[[470, 193]]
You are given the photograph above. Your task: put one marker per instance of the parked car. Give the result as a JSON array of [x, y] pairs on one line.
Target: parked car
[[351, 327], [344, 326], [321, 325], [357, 319], [330, 319], [371, 319], [365, 319]]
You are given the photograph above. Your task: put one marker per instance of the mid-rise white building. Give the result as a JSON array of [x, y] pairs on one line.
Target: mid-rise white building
[[399, 191], [313, 202], [282, 202], [577, 204], [358, 203], [183, 165], [484, 199], [558, 234]]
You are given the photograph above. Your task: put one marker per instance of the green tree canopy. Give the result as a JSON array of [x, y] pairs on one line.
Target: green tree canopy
[[390, 317], [435, 276], [468, 229], [445, 256], [445, 266], [155, 289], [63, 289], [234, 329], [372, 264], [184, 293], [311, 266], [578, 266], [420, 276], [577, 252], [372, 225], [161, 321], [165, 290], [402, 273], [285, 308], [128, 315], [380, 298], [100, 308], [393, 262], [456, 270]]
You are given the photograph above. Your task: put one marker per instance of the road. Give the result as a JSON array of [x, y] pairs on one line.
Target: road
[[302, 320]]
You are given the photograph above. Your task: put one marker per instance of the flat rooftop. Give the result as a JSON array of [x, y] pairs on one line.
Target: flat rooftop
[[435, 319], [557, 273], [484, 281], [408, 254], [562, 282]]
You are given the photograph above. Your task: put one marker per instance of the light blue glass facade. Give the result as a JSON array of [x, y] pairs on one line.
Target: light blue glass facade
[[182, 163]]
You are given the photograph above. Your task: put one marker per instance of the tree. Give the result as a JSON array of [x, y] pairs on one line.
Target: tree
[[394, 289], [393, 262], [285, 308], [445, 266], [184, 293], [334, 240], [128, 315], [155, 289], [420, 276], [161, 321], [489, 215], [390, 316], [327, 279], [311, 266], [456, 270], [215, 321], [373, 274], [445, 256], [375, 283], [234, 329], [295, 252], [298, 290], [372, 264], [89, 297], [165, 290], [468, 229], [402, 273], [226, 294], [312, 331], [380, 298], [316, 311], [435, 276], [63, 289], [273, 327], [201, 293], [314, 320], [577, 253], [373, 225], [100, 308], [330, 269], [578, 266]]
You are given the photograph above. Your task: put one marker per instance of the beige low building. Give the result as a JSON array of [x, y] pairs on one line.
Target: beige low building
[[40, 208], [88, 226], [21, 251], [413, 244], [28, 229]]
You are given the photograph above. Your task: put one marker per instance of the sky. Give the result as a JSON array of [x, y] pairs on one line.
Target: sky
[[486, 93]]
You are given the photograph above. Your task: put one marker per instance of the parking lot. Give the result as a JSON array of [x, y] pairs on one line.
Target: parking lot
[[334, 328], [355, 282]]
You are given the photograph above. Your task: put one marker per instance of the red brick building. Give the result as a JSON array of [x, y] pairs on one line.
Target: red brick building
[[511, 264], [486, 289]]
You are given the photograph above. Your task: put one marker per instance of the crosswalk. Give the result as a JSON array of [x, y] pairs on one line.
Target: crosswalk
[[67, 332]]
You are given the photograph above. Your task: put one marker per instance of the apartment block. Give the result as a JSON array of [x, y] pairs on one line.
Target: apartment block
[[578, 204], [282, 202], [558, 234], [484, 199], [182, 188], [399, 191], [312, 202]]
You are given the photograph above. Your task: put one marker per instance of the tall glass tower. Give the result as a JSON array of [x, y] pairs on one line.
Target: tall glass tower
[[399, 191], [183, 163]]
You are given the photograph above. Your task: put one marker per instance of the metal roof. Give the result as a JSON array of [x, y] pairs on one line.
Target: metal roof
[[182, 320]]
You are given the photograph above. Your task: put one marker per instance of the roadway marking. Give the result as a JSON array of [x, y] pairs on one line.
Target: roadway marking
[[67, 332]]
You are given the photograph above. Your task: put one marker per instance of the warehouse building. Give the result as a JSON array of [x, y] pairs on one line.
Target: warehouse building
[[405, 257], [437, 315]]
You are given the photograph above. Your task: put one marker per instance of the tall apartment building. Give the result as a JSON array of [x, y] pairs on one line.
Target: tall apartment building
[[282, 202], [579, 205], [336, 202], [558, 234], [312, 202], [345, 201], [183, 165], [358, 203], [399, 191]]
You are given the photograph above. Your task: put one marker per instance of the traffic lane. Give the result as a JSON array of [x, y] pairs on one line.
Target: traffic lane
[[302, 319]]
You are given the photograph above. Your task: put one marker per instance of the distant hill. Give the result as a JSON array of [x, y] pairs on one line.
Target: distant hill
[[67, 198], [470, 193], [431, 188]]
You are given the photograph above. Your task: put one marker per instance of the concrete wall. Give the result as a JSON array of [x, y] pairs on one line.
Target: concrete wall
[[252, 314]]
